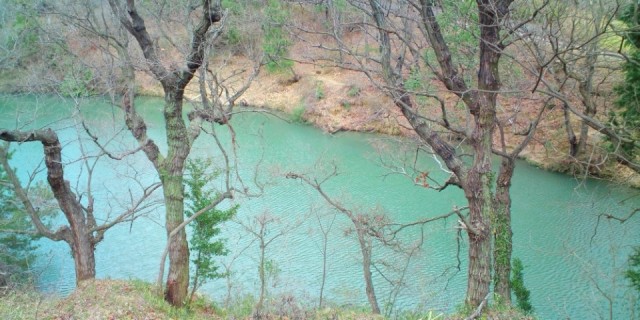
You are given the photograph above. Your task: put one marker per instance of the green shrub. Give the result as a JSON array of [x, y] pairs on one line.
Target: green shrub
[[319, 94], [297, 114], [76, 85], [205, 244], [519, 290], [625, 117], [353, 91], [233, 36], [235, 7], [276, 42], [17, 250], [633, 273]]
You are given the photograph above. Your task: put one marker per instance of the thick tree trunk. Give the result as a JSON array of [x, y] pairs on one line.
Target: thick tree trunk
[[83, 251], [82, 245], [178, 276], [502, 236], [478, 273], [478, 193], [179, 138], [582, 142], [171, 173], [477, 180], [478, 184], [80, 238]]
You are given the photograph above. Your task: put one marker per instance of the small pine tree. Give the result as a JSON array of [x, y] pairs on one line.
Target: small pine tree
[[204, 244], [633, 273], [276, 42], [626, 117], [517, 285], [17, 250]]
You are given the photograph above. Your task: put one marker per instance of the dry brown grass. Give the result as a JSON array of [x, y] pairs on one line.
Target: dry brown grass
[[117, 299]]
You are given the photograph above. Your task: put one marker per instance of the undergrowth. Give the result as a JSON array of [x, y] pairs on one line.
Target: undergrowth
[[135, 299]]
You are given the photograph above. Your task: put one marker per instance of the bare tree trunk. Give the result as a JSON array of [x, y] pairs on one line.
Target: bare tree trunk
[[502, 245], [78, 234], [571, 136], [82, 244], [586, 92], [582, 142], [179, 137], [324, 271], [262, 275], [363, 232], [478, 193], [365, 249], [196, 277], [325, 245], [585, 87], [478, 189], [83, 251], [476, 179]]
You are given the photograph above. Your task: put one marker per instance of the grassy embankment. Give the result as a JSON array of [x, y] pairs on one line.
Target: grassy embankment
[[118, 299]]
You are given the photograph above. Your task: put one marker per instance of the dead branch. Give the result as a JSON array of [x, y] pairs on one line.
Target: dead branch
[[456, 211], [478, 310]]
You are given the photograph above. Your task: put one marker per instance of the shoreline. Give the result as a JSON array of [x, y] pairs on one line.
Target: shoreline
[[333, 120]]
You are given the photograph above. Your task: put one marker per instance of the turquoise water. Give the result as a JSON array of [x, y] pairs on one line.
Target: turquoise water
[[572, 268]]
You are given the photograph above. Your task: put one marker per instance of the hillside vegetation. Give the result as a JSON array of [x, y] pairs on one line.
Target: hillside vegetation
[[316, 88]]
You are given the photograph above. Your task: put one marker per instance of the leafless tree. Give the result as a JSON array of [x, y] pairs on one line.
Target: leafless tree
[[448, 87], [261, 228], [574, 51], [168, 44], [370, 228], [325, 229], [86, 227]]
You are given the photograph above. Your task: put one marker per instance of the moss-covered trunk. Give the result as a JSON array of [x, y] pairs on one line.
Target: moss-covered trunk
[[171, 173], [479, 182], [178, 276], [480, 198], [179, 138], [502, 234]]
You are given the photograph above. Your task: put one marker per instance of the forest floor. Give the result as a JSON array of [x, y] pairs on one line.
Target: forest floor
[[119, 299]]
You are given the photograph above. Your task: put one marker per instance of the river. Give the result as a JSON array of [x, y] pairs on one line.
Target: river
[[573, 261]]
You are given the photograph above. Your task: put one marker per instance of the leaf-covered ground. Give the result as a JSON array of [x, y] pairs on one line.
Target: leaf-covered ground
[[119, 299], [99, 299]]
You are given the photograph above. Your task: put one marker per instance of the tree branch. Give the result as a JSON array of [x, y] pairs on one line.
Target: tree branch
[[135, 24], [63, 233], [455, 211], [135, 207], [449, 74]]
